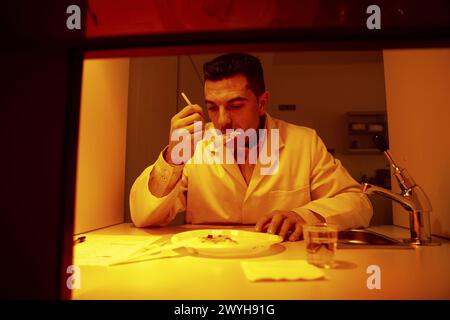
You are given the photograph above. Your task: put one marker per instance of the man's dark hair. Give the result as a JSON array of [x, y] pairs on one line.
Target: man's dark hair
[[232, 64]]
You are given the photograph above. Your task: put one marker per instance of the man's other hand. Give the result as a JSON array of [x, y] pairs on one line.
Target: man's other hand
[[287, 224]]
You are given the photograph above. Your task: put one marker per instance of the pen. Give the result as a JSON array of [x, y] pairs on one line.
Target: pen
[[186, 99]]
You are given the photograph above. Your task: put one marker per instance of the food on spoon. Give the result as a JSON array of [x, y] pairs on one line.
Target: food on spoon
[[220, 238], [224, 138]]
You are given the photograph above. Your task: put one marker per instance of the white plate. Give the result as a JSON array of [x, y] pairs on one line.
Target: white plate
[[226, 242]]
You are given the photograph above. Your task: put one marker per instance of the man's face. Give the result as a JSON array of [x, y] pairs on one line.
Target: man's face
[[232, 105]]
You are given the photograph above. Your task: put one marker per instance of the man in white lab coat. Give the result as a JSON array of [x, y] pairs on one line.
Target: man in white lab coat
[[305, 184]]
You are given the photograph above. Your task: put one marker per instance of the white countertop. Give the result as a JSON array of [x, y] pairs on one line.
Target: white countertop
[[419, 273]]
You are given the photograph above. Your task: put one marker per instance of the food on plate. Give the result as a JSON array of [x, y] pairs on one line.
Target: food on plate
[[220, 238]]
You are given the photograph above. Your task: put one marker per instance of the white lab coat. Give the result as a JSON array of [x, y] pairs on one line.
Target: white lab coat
[[308, 177]]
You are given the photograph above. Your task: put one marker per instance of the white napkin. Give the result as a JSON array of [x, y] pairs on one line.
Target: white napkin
[[105, 250], [281, 270]]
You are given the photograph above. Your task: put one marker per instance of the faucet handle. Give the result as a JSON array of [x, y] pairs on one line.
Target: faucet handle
[[380, 142], [405, 181]]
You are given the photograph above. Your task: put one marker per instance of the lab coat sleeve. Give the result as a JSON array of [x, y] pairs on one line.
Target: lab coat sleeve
[[335, 195], [164, 176], [158, 209]]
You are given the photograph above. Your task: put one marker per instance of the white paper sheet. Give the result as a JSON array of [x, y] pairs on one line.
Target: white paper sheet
[[105, 250]]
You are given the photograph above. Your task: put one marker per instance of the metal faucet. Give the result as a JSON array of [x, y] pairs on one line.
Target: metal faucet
[[412, 198]]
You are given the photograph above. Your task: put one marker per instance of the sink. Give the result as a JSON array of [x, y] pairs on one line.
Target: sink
[[360, 238]]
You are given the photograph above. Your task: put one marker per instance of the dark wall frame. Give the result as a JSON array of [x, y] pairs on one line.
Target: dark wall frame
[[41, 274], [205, 42]]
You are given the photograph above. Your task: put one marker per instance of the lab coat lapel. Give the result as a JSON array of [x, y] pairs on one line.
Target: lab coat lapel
[[257, 177], [231, 168]]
